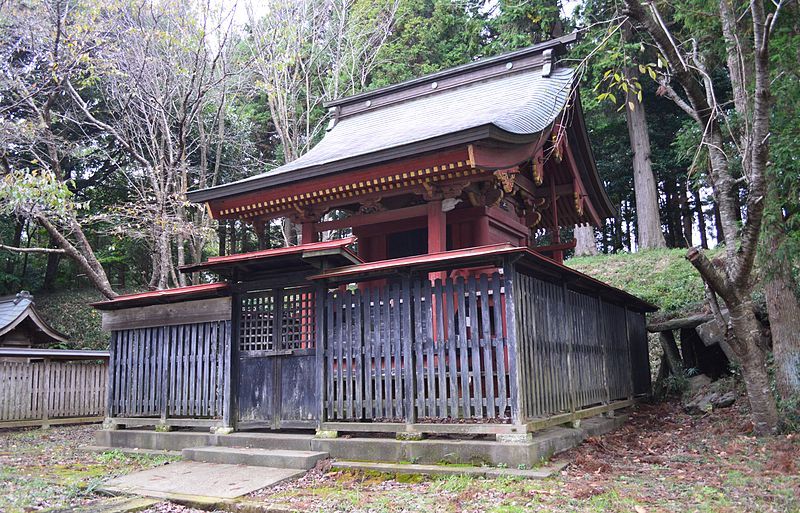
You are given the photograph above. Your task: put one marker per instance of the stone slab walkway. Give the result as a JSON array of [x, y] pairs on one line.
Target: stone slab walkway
[[201, 481]]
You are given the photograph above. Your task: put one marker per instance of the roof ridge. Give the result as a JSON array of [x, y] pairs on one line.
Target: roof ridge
[[539, 48]]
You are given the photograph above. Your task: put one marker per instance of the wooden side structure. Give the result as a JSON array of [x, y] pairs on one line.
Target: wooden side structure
[[41, 387], [380, 346]]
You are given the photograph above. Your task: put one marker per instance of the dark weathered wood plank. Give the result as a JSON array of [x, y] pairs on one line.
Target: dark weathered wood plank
[[486, 342], [437, 342], [396, 338], [348, 348], [407, 360], [451, 339], [379, 354], [500, 345], [358, 329], [509, 276], [369, 349], [466, 398], [474, 351], [330, 347], [386, 331], [421, 363]]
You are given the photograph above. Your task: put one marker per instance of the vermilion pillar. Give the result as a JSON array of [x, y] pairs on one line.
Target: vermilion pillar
[[309, 233], [437, 228], [437, 233]]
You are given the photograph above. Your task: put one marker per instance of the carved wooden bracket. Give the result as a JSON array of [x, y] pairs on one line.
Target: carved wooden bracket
[[505, 178], [371, 206], [433, 192], [538, 168], [305, 215]]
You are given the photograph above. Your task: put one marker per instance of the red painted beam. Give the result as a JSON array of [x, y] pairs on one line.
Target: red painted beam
[[384, 170], [386, 216]]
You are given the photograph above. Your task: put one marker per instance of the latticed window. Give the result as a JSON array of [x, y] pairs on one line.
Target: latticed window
[[277, 320]]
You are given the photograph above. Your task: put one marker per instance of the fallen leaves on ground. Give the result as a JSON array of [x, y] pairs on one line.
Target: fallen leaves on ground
[[660, 460]]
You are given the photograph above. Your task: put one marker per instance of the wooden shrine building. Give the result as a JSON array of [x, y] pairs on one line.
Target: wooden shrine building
[[447, 310]]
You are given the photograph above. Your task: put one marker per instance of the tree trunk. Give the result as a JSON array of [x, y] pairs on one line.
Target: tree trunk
[[51, 269], [759, 393], [701, 219], [289, 232], [628, 223], [232, 226], [585, 244], [11, 260], [687, 219], [644, 183], [720, 232], [670, 348], [669, 214], [222, 231], [748, 345], [94, 271], [783, 306]]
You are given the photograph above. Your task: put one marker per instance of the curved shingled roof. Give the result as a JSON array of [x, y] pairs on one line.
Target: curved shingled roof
[[511, 97], [523, 103]]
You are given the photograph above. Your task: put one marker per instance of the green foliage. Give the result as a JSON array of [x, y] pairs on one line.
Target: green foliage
[[69, 312], [26, 193], [662, 277]]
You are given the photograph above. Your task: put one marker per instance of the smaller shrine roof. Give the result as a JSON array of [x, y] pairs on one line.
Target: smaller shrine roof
[[203, 291], [335, 251], [18, 310]]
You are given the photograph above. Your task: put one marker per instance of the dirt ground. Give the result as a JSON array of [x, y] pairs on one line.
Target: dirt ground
[[661, 460]]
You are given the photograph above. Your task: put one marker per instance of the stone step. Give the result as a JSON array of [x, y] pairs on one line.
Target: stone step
[[255, 457], [282, 441]]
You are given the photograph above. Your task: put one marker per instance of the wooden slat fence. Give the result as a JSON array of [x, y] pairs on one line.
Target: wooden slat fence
[[42, 390], [417, 350], [170, 371], [575, 349], [640, 354]]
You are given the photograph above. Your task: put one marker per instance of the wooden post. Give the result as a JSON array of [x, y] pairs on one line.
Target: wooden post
[[166, 345], [604, 345], [112, 351], [437, 234], [515, 379], [408, 353], [230, 410], [46, 394], [319, 340], [569, 319], [308, 232], [630, 360]]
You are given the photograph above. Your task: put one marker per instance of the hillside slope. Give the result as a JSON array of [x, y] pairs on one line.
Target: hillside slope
[[663, 277], [69, 312]]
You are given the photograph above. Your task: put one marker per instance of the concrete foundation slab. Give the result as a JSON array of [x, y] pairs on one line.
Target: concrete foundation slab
[[445, 470], [537, 447], [201, 480]]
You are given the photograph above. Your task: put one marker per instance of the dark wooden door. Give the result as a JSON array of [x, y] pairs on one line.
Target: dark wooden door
[[277, 387]]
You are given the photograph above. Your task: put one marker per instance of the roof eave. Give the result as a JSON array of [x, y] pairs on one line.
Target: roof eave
[[470, 135]]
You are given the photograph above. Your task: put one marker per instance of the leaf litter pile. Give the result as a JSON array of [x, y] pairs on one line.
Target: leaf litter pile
[[661, 460]]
